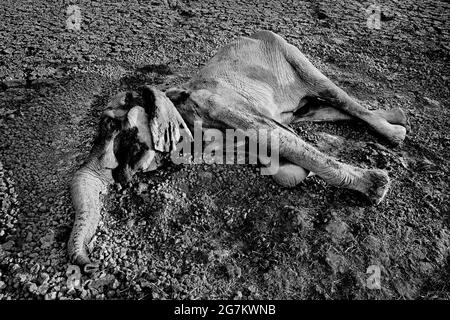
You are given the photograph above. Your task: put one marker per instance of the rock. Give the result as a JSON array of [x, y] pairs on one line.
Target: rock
[[238, 295], [403, 162], [432, 103], [50, 296], [85, 294], [33, 287], [48, 239], [130, 223], [22, 277], [42, 290], [115, 284], [336, 261], [252, 288], [373, 243], [105, 281], [142, 187], [218, 255], [7, 246], [233, 271], [426, 267], [205, 176], [230, 270], [167, 196], [73, 274], [337, 229]]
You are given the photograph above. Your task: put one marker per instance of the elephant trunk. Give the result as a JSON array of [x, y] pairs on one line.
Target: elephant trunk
[[88, 183]]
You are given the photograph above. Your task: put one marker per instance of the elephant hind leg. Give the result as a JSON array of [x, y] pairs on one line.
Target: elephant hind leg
[[376, 181], [393, 116], [325, 89], [340, 99], [317, 110]]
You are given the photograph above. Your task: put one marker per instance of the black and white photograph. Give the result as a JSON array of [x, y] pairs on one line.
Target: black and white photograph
[[240, 151]]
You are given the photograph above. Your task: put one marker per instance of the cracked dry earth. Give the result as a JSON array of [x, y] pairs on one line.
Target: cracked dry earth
[[189, 232]]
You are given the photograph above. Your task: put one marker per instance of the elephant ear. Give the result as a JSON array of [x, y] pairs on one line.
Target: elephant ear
[[103, 147], [164, 119]]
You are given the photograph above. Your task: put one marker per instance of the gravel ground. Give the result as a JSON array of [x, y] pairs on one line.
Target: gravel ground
[[190, 232]]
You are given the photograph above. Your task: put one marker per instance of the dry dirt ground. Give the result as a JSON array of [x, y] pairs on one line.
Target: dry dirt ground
[[189, 232]]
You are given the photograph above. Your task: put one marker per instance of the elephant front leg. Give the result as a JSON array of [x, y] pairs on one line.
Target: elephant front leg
[[300, 160], [373, 183]]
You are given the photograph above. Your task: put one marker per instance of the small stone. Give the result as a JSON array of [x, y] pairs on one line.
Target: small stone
[[42, 290], [230, 270], [426, 267], [7, 246], [335, 261], [50, 296], [142, 187], [206, 176], [130, 223], [33, 287], [85, 294], [29, 237], [43, 278], [73, 274], [337, 229], [167, 195], [433, 103], [111, 293], [252, 288], [48, 239], [22, 277], [238, 271]]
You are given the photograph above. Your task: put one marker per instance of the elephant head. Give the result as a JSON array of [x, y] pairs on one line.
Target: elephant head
[[136, 132]]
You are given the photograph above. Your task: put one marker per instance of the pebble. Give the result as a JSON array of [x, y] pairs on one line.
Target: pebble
[[167, 195], [50, 296], [7, 246], [433, 103], [252, 288]]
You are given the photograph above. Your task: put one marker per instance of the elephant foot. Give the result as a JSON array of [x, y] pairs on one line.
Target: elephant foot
[[377, 185]]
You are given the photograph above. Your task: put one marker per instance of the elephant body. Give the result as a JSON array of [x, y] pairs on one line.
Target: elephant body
[[253, 83]]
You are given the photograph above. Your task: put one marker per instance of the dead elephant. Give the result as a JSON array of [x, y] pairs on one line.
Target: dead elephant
[[252, 83]]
